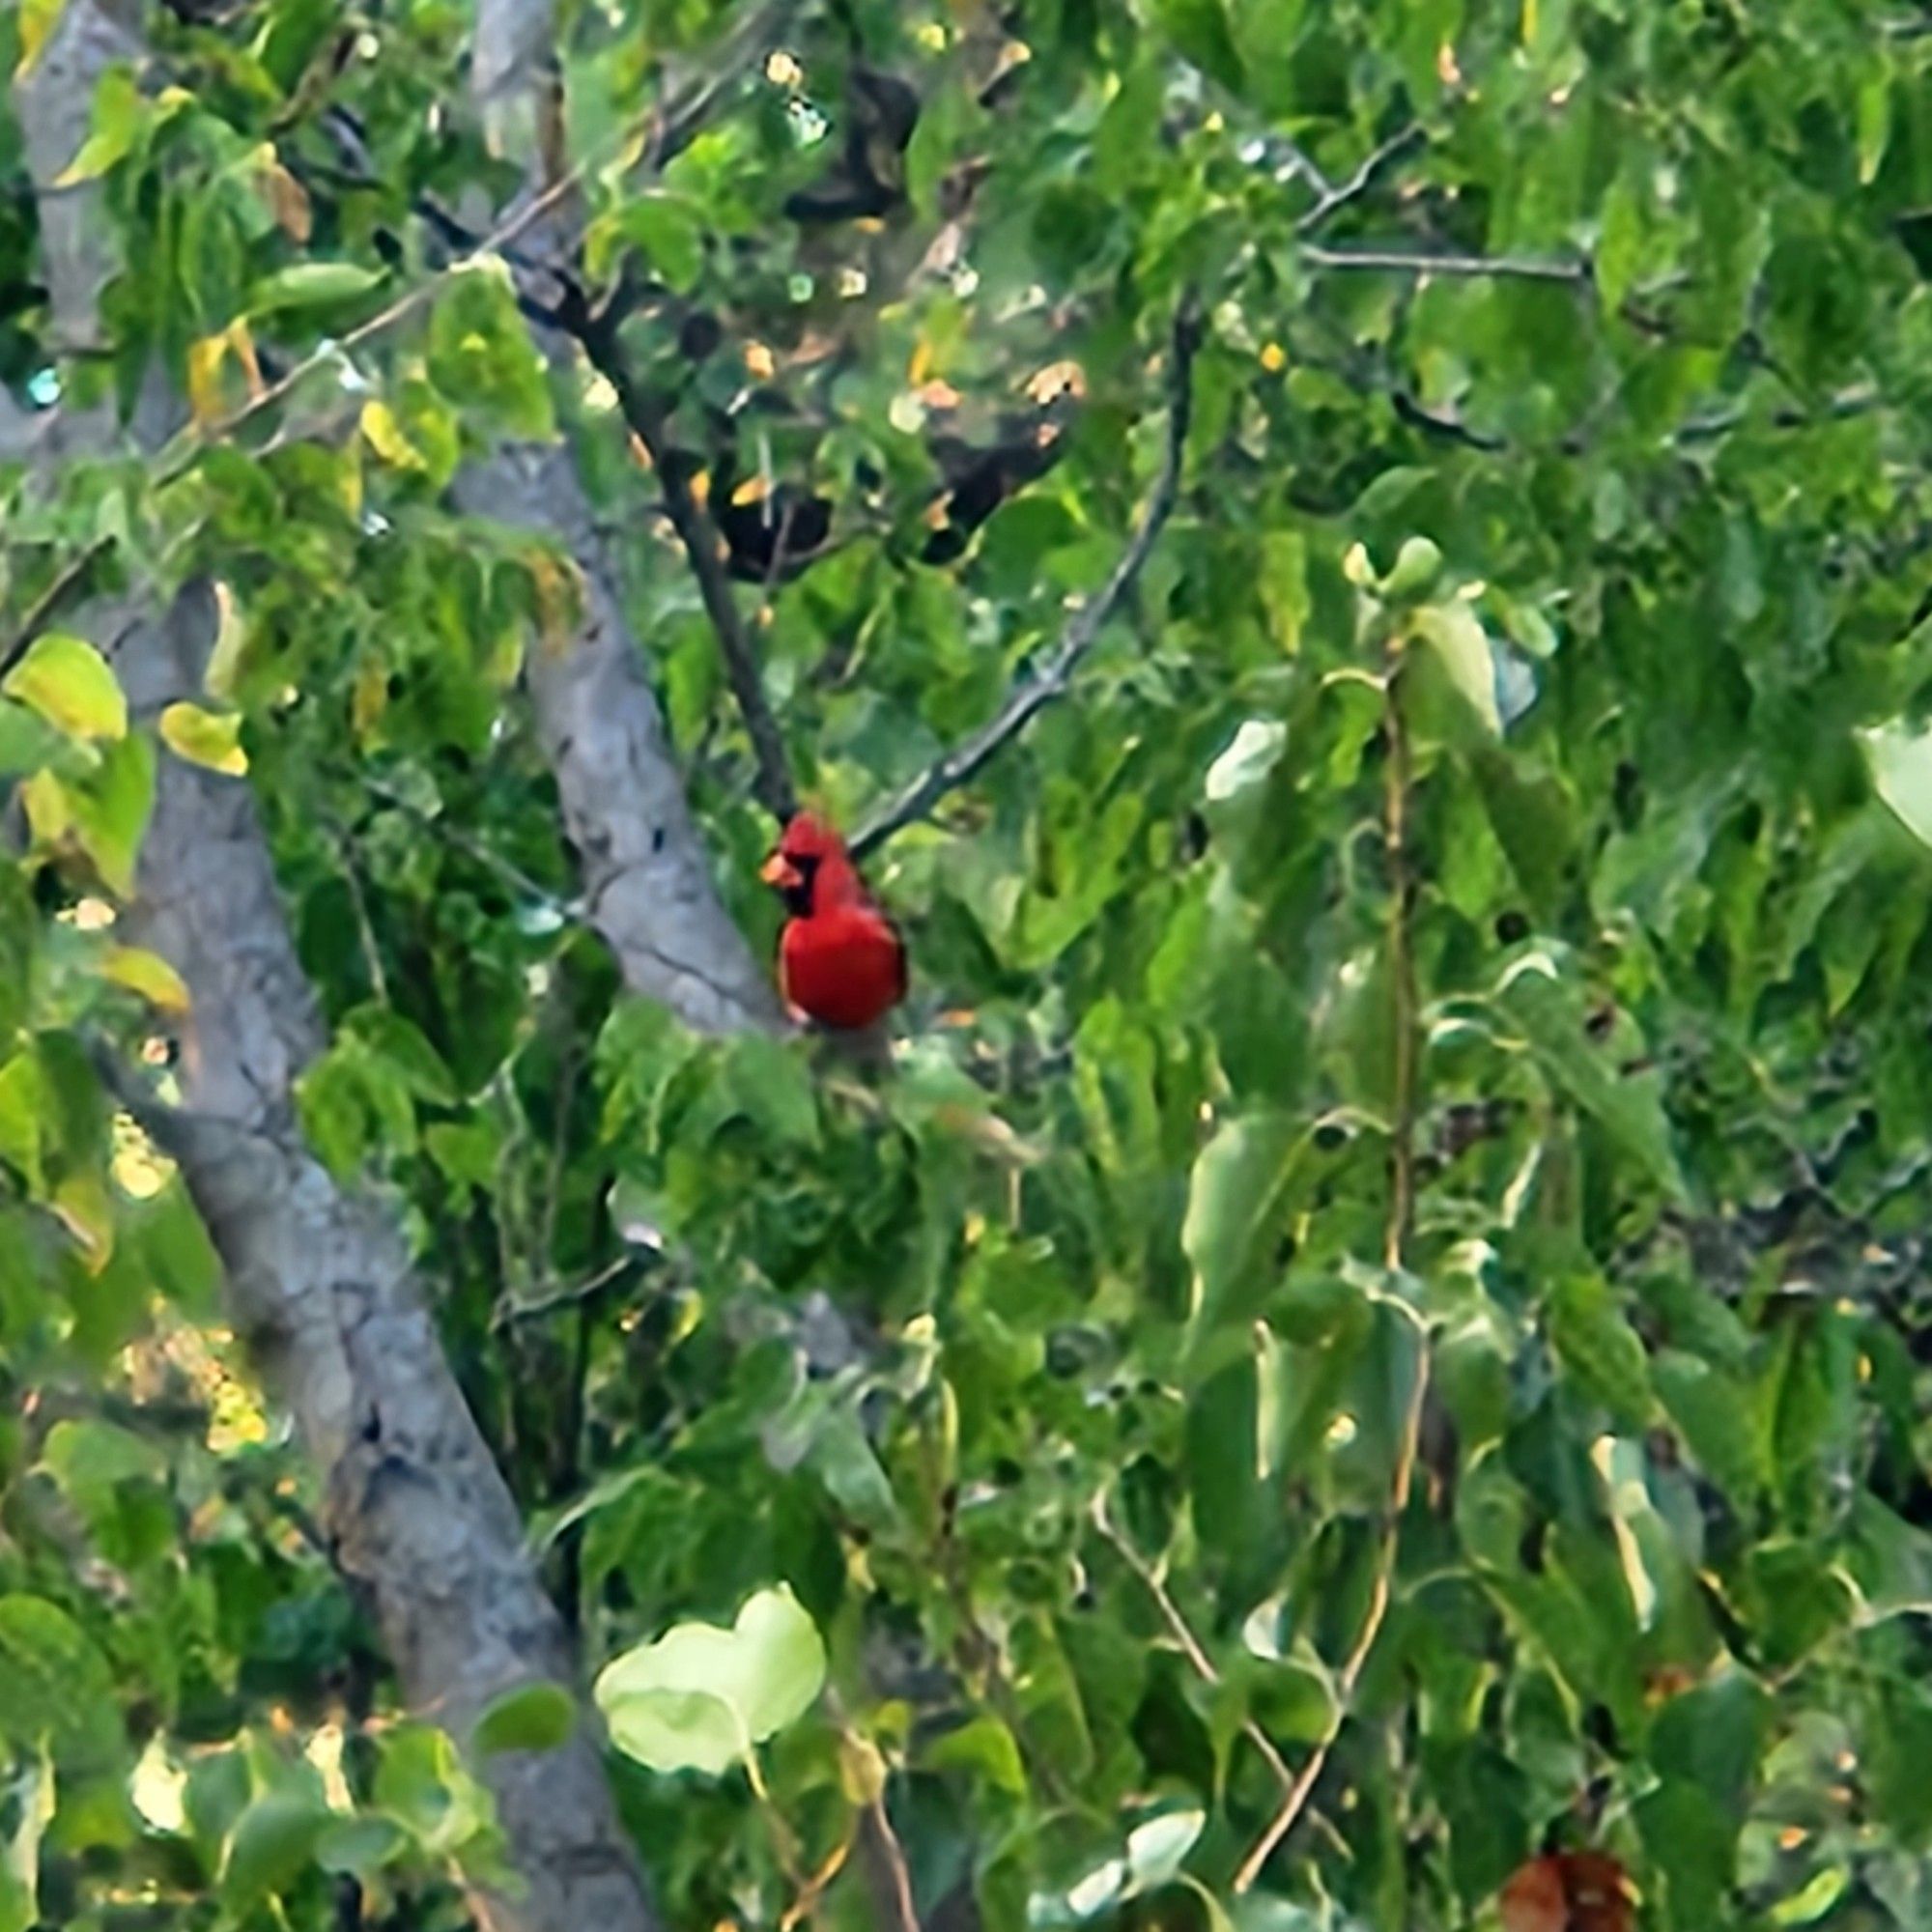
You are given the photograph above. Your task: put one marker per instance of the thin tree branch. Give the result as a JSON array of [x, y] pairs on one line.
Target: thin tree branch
[[960, 765], [1190, 1645], [705, 549], [1331, 197], [1416, 262], [67, 581], [180, 457], [579, 1294], [1296, 1799], [365, 929], [892, 1858]]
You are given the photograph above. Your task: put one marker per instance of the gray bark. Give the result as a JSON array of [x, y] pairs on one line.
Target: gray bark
[[647, 880], [319, 1277]]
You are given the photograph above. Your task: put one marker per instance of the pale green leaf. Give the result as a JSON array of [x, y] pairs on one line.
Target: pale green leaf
[[70, 684]]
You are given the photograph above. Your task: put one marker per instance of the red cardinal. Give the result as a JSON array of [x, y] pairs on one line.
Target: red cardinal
[[840, 959]]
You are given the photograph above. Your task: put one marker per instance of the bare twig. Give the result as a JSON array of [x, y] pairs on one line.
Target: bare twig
[[579, 1294], [964, 762], [1333, 197], [559, 1147], [774, 570], [1297, 160], [1190, 1645], [1403, 998], [892, 1858], [812, 1885], [365, 929], [1420, 263], [1296, 1799]]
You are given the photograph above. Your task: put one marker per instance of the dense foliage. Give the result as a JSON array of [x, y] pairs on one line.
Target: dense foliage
[[1504, 785]]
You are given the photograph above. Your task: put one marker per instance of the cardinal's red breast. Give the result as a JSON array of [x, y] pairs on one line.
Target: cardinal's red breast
[[844, 967]]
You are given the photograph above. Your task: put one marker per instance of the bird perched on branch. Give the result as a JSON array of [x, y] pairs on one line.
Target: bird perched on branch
[[841, 961]]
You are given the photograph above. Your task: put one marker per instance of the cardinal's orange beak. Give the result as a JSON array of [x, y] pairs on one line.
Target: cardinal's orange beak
[[778, 872]]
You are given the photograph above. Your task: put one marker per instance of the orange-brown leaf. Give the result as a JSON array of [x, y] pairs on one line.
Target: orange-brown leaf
[[1568, 1891]]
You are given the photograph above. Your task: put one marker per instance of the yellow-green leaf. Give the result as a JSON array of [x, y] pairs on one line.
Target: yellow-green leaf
[[37, 20], [1900, 761], [70, 684], [147, 973], [205, 359], [211, 738], [82, 1205], [385, 437]]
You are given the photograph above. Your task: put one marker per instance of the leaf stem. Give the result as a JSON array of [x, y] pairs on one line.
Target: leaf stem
[[1190, 1645], [1398, 783], [1398, 777]]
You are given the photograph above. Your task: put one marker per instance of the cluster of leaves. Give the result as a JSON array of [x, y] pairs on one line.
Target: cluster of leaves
[[1065, 1377]]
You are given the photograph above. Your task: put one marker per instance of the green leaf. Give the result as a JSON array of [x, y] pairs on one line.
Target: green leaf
[[481, 356], [102, 814], [1900, 761], [1629, 1107], [671, 231], [1254, 752], [985, 1747], [360, 1846], [121, 117], [270, 1846], [304, 285], [1200, 30], [1712, 1737], [1600, 1350], [60, 1693], [1415, 569], [425, 1785], [534, 1717], [68, 683], [1238, 1200], [90, 1459], [1455, 634], [147, 973], [1874, 122], [1157, 1848], [699, 1697], [766, 1080]]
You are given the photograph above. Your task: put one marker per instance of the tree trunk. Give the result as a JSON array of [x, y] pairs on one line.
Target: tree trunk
[[417, 1515]]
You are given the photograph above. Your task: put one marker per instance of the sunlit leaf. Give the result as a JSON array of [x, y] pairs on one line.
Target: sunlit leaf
[[70, 684], [699, 1697], [210, 738]]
